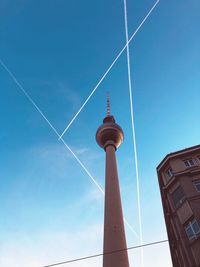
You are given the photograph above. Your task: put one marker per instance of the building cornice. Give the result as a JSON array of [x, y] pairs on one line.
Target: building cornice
[[177, 153]]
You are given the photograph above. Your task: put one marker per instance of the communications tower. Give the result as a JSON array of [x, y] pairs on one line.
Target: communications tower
[[109, 136]]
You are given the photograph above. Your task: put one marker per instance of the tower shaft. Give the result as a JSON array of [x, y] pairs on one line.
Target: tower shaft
[[110, 136], [114, 233]]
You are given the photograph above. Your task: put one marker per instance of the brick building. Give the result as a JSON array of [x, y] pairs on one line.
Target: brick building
[[179, 181]]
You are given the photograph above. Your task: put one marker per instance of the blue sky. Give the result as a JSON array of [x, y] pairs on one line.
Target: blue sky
[[58, 50]]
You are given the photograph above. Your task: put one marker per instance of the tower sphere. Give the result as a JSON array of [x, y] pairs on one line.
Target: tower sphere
[[109, 133]]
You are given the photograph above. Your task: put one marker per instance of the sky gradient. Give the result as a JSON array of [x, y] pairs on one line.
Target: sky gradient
[[58, 50]]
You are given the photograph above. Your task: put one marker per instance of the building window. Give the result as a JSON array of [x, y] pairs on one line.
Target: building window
[[197, 185], [169, 174], [189, 163], [192, 230], [178, 196]]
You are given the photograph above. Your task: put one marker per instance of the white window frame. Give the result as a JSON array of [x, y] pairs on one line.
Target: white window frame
[[190, 226], [197, 184], [180, 201], [189, 163], [169, 174]]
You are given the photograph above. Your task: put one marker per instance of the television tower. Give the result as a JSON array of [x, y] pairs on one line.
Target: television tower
[[109, 136]]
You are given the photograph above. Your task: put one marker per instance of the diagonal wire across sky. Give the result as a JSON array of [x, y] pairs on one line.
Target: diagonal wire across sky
[[56, 132], [101, 254], [109, 68], [60, 137]]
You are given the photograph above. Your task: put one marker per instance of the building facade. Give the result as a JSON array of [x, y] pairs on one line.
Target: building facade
[[179, 181]]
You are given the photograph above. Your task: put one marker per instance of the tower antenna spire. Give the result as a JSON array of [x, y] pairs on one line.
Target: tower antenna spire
[[108, 104]]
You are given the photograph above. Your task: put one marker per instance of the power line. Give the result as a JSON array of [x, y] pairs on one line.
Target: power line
[[52, 127], [27, 95], [107, 253], [133, 127], [109, 68], [55, 131]]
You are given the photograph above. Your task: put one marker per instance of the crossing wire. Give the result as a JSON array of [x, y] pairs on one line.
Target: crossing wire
[[107, 253], [109, 68], [55, 131], [103, 77], [133, 128]]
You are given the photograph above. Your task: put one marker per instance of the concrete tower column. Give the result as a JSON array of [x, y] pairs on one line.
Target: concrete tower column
[[114, 234], [110, 136]]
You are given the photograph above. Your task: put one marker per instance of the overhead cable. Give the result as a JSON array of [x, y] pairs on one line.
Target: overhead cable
[[133, 129], [109, 68], [108, 253], [55, 131]]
